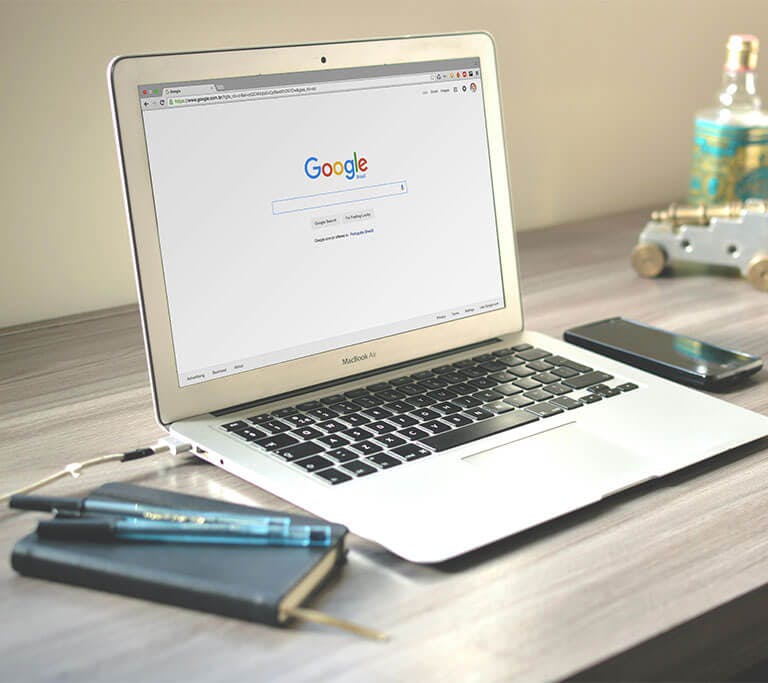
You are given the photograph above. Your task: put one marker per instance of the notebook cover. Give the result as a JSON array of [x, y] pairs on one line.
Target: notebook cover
[[237, 581]]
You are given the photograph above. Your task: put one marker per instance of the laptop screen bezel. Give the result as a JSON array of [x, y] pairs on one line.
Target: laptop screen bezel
[[173, 402]]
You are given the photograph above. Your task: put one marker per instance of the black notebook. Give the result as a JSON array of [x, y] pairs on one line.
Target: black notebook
[[255, 583]]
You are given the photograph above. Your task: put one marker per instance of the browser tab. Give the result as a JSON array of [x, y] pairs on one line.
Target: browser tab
[[189, 90]]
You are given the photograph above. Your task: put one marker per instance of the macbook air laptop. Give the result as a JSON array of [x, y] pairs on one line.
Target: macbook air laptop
[[325, 256]]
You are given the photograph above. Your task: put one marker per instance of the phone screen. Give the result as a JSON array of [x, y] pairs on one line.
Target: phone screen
[[671, 349]]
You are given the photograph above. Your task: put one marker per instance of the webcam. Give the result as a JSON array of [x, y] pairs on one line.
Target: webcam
[[323, 60]]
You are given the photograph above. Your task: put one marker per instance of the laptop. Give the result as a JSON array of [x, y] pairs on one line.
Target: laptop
[[326, 264]]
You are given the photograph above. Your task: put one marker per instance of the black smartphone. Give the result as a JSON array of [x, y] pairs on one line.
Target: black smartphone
[[674, 356]]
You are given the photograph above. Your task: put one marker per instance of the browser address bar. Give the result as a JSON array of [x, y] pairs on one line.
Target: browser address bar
[[293, 90]]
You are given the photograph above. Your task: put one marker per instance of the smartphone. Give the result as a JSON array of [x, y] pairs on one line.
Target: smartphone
[[674, 356]]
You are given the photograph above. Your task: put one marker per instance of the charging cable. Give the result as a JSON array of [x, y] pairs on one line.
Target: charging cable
[[168, 444]]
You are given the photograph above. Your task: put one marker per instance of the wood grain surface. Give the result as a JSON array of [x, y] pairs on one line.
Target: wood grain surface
[[665, 581]]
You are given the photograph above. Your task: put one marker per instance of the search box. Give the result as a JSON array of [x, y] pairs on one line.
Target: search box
[[308, 202]]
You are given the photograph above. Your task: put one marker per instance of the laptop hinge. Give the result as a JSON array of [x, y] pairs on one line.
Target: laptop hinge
[[351, 378]]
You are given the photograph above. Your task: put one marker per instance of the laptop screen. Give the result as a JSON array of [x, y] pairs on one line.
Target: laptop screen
[[312, 211]]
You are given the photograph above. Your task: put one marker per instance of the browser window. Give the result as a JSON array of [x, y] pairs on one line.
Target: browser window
[[308, 212]]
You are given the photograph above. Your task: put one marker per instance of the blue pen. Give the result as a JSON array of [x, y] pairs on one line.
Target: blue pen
[[100, 529], [264, 525]]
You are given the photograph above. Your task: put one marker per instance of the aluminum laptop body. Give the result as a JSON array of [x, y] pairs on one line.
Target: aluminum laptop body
[[324, 229]]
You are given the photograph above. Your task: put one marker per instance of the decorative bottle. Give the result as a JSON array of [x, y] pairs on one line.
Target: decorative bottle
[[730, 145]]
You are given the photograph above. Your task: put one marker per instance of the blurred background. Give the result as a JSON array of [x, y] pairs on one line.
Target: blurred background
[[598, 99]]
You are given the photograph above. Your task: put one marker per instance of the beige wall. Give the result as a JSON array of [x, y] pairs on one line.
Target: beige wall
[[598, 100]]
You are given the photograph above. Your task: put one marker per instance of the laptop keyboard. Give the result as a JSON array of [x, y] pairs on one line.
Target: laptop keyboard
[[387, 424]]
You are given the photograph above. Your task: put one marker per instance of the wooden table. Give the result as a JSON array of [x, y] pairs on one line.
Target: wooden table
[[664, 581]]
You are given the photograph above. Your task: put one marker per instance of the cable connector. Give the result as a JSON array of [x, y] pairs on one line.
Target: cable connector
[[172, 445]]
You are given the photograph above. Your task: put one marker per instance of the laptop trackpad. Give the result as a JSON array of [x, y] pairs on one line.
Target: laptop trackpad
[[562, 460]]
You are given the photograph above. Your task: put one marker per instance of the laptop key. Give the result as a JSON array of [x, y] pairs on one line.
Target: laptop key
[[435, 426], [359, 468], [323, 413], [594, 377], [399, 407], [533, 354], [442, 369], [545, 409], [468, 401], [313, 464], [275, 426], [368, 402], [446, 407], [463, 389], [503, 377], [232, 426], [272, 443], [403, 420], [345, 407], [379, 386], [589, 398], [565, 372], [482, 358], [333, 476], [498, 407], [558, 389], [488, 395], [390, 395], [526, 383], [421, 401], [399, 381], [503, 352], [483, 382], [492, 366], [425, 414], [259, 419], [390, 440], [308, 433], [522, 371], [250, 433], [546, 377], [522, 347], [458, 420], [541, 366], [410, 390], [354, 393], [381, 427], [509, 389], [333, 441], [384, 461], [300, 420], [301, 450], [627, 386], [331, 400], [341, 455], [358, 434], [511, 361], [518, 401], [478, 413], [538, 395], [478, 430], [377, 413], [413, 433], [284, 412], [442, 394], [309, 405], [412, 451], [355, 419], [366, 447], [331, 426], [466, 363], [566, 402]]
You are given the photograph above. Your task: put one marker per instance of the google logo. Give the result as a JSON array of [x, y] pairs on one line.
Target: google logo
[[349, 168]]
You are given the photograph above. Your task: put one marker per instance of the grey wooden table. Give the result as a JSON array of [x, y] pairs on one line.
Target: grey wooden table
[[665, 581]]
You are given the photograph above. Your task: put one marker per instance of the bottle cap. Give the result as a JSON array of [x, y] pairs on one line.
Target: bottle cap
[[741, 53]]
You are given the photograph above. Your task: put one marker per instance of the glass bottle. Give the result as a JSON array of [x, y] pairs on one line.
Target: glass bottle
[[730, 146]]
